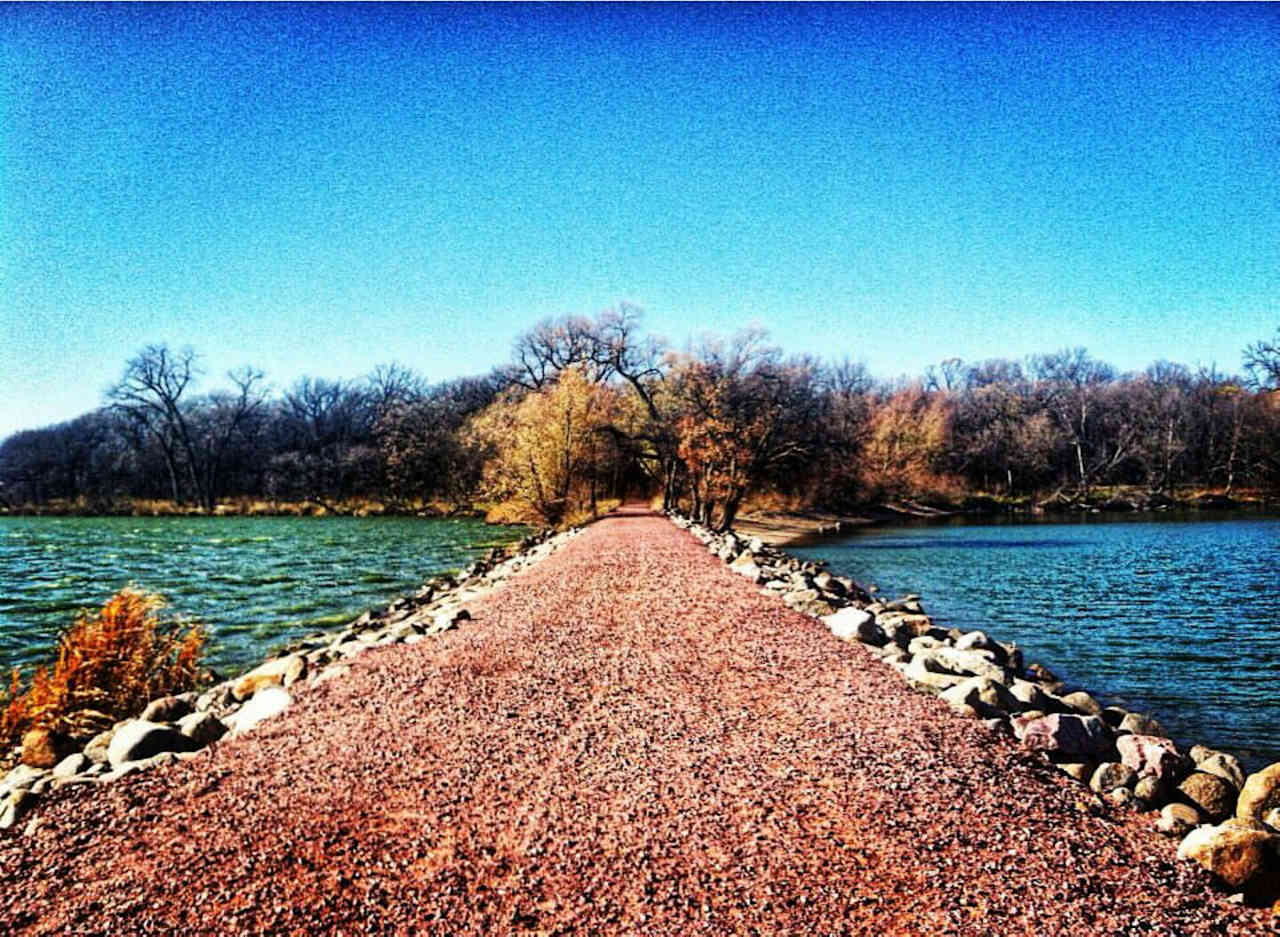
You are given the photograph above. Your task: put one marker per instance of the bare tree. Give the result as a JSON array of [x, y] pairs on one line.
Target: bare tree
[[1262, 361], [150, 394]]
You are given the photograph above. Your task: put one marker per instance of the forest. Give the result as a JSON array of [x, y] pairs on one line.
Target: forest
[[595, 408]]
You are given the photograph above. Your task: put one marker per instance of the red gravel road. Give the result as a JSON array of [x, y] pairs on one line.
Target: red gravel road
[[628, 738]]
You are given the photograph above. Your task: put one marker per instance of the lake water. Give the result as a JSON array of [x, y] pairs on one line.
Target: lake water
[[1176, 617], [256, 583]]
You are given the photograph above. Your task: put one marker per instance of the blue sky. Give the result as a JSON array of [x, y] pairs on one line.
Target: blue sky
[[315, 190]]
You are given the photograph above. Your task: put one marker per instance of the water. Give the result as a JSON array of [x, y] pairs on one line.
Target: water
[[256, 583], [1176, 617]]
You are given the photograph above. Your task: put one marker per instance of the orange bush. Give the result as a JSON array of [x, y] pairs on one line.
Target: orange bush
[[107, 666]]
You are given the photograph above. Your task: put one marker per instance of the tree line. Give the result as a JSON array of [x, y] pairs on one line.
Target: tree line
[[591, 408]]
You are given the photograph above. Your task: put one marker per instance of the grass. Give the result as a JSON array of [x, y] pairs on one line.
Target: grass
[[108, 665]]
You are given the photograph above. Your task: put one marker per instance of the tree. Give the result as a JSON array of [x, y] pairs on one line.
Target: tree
[[908, 436], [1262, 361], [193, 435], [544, 447], [746, 417], [1072, 383], [150, 394]]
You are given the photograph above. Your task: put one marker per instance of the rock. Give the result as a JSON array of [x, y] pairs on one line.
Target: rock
[[71, 766], [923, 645], [1177, 819], [1224, 766], [1041, 674], [1119, 797], [1083, 703], [920, 677], [266, 703], [746, 565], [1081, 771], [15, 804], [21, 777], [1069, 735], [1240, 858], [43, 748], [282, 671], [1260, 794], [1149, 791], [1030, 695], [333, 671], [1214, 797], [1110, 775], [96, 750], [202, 728], [1141, 724], [1149, 754], [166, 709], [448, 619], [978, 641], [1114, 715], [136, 740], [853, 623], [1020, 722], [986, 696], [972, 664]]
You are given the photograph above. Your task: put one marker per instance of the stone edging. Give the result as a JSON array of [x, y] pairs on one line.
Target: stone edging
[[176, 728], [1229, 823]]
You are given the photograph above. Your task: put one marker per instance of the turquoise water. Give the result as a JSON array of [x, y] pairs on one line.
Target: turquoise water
[[1176, 617], [255, 582]]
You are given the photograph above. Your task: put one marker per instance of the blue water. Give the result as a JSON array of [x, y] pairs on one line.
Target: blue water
[[1176, 617], [255, 582]]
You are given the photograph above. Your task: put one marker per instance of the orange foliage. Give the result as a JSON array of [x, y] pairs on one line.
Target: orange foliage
[[108, 665]]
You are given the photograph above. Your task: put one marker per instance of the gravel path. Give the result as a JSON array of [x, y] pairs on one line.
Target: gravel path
[[628, 738]]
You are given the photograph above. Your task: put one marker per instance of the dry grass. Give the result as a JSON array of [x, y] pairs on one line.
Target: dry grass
[[108, 665]]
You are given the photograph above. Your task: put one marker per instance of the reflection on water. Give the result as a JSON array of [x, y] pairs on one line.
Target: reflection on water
[[255, 582], [1177, 617]]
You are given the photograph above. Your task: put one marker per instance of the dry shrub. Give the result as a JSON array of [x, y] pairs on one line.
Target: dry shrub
[[107, 666]]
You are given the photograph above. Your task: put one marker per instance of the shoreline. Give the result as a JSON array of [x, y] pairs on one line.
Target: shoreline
[[1203, 796], [810, 528]]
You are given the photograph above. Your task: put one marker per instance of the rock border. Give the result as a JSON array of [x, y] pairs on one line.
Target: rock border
[[1228, 823], [177, 728]]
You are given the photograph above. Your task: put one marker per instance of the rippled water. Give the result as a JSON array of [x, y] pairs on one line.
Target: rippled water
[[1176, 617], [255, 582]]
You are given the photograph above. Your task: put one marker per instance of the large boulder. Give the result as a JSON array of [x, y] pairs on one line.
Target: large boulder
[[1083, 703], [282, 671], [1224, 766], [1066, 734], [985, 696], [921, 677], [166, 709], [1177, 819], [72, 765], [1214, 797], [266, 703], [1111, 775], [1241, 858], [1260, 794], [972, 663], [202, 728], [1141, 724], [137, 740], [1149, 754], [44, 748], [1030, 695], [856, 624]]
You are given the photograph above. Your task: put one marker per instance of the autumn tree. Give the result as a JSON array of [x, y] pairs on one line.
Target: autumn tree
[[545, 447], [908, 436]]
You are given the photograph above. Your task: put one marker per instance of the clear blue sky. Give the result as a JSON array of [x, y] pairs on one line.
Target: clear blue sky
[[315, 190]]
